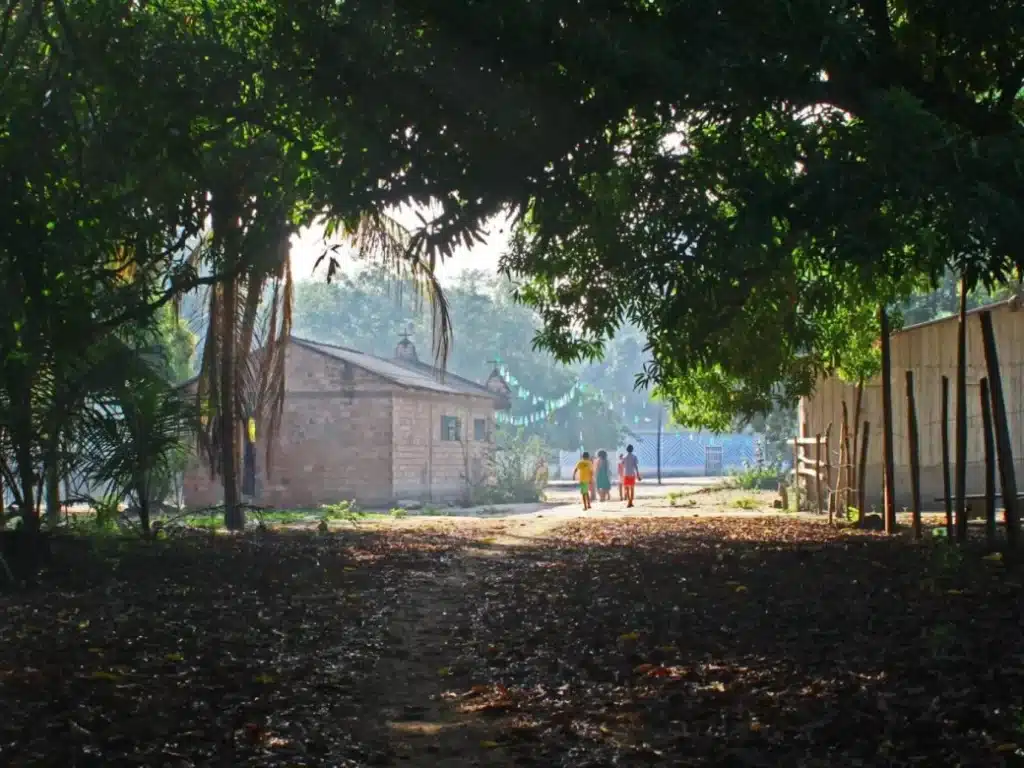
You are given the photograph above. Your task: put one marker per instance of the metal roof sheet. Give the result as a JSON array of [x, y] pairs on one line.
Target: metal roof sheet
[[412, 375]]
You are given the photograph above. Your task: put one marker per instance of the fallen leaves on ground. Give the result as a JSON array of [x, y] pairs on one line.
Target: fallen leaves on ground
[[672, 641], [769, 642], [255, 650]]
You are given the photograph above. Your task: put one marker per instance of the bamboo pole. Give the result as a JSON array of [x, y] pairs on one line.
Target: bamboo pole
[[828, 467], [990, 465], [1004, 450], [947, 491], [857, 406], [889, 462], [863, 473], [961, 416], [848, 463], [817, 475], [915, 457], [835, 507], [796, 473]]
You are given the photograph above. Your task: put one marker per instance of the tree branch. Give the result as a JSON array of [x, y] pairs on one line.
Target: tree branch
[[146, 309], [877, 15], [1010, 86], [24, 26]]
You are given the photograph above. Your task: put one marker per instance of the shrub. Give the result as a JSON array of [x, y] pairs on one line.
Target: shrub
[[342, 510], [515, 475], [758, 478], [135, 444]]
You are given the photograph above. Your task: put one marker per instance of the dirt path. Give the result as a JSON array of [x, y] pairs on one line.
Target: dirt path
[[420, 675], [428, 702], [425, 690]]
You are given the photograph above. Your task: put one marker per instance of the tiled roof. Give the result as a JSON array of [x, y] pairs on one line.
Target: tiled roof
[[414, 375]]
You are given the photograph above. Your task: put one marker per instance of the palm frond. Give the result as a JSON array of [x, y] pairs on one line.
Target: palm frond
[[379, 238]]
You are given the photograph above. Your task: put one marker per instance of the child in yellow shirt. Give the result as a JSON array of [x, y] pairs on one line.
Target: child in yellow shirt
[[585, 473]]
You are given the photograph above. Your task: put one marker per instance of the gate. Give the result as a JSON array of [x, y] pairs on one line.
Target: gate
[[712, 460]]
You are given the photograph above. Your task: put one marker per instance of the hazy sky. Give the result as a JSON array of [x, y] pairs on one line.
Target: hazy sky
[[309, 245]]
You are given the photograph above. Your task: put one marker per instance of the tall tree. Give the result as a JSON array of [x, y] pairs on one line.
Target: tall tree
[[754, 174]]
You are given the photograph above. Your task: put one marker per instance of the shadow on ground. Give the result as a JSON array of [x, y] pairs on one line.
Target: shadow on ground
[[642, 642]]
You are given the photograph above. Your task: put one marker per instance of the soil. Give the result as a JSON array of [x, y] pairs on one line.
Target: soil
[[675, 636]]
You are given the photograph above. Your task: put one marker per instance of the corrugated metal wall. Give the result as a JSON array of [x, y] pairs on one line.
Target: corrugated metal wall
[[929, 350], [682, 453]]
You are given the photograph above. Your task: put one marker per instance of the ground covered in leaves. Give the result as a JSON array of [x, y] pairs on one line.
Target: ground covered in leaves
[[647, 641]]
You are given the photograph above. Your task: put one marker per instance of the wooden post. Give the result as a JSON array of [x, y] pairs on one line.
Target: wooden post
[[857, 406], [828, 467], [834, 507], [990, 465], [660, 412], [848, 463], [863, 471], [796, 471], [961, 416], [817, 475], [947, 491], [915, 458], [1004, 450], [887, 448]]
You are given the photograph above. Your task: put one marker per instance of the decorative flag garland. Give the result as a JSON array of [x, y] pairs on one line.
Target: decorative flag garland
[[547, 407]]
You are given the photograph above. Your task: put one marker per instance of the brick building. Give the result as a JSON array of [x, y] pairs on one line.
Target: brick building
[[357, 426]]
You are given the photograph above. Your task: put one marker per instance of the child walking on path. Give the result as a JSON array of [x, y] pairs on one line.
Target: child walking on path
[[604, 477], [631, 475], [621, 476], [584, 472]]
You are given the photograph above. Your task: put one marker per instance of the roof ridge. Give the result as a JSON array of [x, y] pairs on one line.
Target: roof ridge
[[303, 340], [420, 371], [446, 372]]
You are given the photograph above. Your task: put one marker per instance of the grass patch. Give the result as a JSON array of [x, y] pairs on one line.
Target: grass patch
[[746, 503], [678, 499]]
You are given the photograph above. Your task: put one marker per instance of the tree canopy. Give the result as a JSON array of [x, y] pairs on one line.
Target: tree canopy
[[742, 189], [778, 175]]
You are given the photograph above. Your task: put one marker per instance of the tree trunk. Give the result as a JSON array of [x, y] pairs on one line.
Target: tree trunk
[[862, 472], [990, 465], [52, 471], [946, 486], [858, 404], [226, 231], [889, 461], [144, 518], [233, 518], [1004, 446], [22, 434], [961, 416], [915, 456]]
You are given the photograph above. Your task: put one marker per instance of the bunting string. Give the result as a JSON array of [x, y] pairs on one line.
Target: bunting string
[[547, 407]]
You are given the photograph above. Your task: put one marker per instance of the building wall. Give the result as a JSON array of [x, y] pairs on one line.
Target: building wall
[[334, 441], [930, 352], [429, 468], [348, 434]]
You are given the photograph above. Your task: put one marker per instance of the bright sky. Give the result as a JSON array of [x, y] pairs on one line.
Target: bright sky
[[309, 245]]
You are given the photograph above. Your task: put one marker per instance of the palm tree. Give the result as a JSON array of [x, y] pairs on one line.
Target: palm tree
[[249, 319], [136, 440]]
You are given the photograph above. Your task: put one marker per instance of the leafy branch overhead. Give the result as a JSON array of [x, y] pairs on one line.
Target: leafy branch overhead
[[777, 176]]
